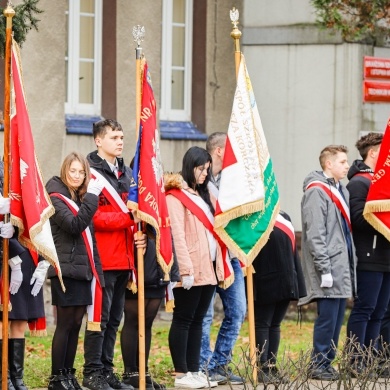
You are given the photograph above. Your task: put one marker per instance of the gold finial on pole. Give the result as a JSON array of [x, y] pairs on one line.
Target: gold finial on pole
[[236, 35], [9, 12]]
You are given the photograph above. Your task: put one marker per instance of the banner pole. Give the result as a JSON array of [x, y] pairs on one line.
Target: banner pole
[[236, 35], [138, 35], [9, 13]]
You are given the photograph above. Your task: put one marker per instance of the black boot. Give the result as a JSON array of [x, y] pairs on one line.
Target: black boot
[[264, 374], [72, 379], [10, 385], [132, 378], [149, 381], [16, 362], [60, 381]]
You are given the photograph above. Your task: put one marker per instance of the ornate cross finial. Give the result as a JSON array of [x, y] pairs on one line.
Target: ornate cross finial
[[138, 34]]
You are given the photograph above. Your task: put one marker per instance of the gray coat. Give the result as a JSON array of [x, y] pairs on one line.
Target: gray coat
[[324, 247]]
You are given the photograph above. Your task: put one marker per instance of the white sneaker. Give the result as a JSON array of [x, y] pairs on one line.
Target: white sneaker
[[188, 381], [202, 378]]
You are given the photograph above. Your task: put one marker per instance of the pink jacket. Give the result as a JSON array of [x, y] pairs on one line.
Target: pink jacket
[[191, 244]]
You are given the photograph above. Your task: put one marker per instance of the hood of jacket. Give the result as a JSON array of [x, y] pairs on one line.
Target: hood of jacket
[[358, 166], [55, 184], [317, 176]]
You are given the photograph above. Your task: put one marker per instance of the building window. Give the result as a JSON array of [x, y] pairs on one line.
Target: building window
[[176, 77], [83, 57]]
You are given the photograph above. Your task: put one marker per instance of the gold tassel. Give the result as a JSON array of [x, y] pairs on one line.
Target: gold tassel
[[169, 306], [131, 285], [9, 307], [94, 326], [227, 282], [38, 333]]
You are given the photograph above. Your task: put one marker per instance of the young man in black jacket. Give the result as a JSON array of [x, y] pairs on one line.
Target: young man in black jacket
[[373, 253]]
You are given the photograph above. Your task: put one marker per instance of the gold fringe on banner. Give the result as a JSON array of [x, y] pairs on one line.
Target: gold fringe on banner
[[247, 258], [239, 211], [377, 206], [151, 221], [227, 282]]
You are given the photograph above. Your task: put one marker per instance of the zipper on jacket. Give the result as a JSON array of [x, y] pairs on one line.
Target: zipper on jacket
[[374, 242]]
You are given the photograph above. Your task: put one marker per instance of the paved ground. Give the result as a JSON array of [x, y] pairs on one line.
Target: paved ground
[[313, 385]]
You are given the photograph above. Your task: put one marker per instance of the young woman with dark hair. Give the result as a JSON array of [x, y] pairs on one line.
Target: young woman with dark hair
[[192, 213]]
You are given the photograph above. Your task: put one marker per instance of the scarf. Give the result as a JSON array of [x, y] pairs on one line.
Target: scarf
[[207, 220]]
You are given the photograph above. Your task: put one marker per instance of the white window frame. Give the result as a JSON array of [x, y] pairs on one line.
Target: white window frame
[[73, 106], [166, 111]]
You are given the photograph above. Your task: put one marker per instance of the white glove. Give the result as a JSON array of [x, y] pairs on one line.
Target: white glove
[[95, 186], [6, 230], [5, 204], [16, 280], [39, 277], [326, 280], [187, 281]]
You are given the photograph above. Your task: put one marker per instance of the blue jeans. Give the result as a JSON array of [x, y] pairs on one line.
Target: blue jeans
[[373, 294], [327, 328], [234, 306]]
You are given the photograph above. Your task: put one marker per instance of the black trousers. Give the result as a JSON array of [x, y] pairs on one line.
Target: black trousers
[[185, 335], [99, 346], [267, 329]]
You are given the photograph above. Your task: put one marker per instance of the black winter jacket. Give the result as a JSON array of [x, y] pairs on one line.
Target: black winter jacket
[[67, 229], [372, 248], [278, 269]]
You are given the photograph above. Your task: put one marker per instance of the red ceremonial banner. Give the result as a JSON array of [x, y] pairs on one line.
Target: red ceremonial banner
[[149, 197], [377, 208], [31, 207]]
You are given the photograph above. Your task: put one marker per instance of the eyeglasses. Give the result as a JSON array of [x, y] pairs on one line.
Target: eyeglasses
[[74, 173]]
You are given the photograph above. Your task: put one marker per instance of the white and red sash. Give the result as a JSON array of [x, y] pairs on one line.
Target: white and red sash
[[110, 193], [185, 199], [335, 196], [286, 226], [94, 311]]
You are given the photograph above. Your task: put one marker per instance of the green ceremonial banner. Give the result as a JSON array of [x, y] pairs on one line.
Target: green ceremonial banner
[[248, 199]]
